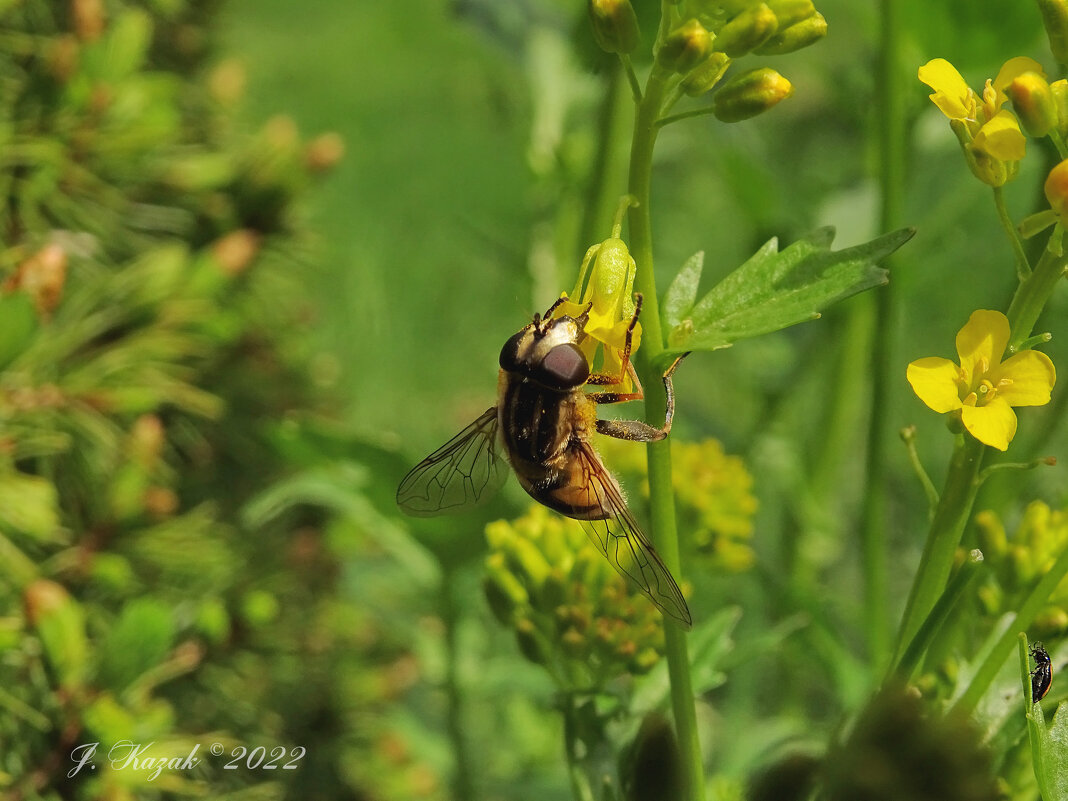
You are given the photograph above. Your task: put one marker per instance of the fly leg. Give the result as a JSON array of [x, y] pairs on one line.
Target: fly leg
[[636, 430], [625, 367]]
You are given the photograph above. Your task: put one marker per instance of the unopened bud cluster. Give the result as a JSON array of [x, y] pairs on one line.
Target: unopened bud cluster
[[1015, 562], [711, 35], [571, 611], [702, 48]]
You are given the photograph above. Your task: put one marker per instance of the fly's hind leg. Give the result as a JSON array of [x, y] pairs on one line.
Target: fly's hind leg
[[636, 430]]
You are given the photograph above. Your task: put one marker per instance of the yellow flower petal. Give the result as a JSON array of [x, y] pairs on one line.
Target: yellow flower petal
[[951, 95], [1032, 375], [1001, 137], [934, 380], [993, 424], [1010, 71], [981, 343]]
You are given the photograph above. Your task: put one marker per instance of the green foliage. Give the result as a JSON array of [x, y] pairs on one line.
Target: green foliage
[[772, 290]]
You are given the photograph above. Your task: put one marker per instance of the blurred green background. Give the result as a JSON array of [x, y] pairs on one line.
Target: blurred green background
[[462, 205]]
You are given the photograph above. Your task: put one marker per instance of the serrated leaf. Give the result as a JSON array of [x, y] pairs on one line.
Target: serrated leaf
[[774, 290], [682, 294]]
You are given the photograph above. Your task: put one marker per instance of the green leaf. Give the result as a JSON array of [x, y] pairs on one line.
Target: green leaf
[[18, 321], [682, 294], [774, 290]]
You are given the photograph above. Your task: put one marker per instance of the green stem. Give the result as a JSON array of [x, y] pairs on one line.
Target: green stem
[[1023, 266], [892, 138], [661, 496], [908, 435], [462, 784], [1031, 297], [952, 513], [1032, 605], [910, 661], [580, 780], [684, 115]]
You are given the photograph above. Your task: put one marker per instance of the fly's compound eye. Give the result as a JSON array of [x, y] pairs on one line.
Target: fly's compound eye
[[509, 359], [564, 367]]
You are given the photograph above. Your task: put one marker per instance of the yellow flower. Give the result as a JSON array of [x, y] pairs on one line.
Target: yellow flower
[[609, 287], [989, 134], [983, 387]]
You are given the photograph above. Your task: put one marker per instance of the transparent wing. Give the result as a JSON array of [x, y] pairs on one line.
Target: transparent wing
[[620, 539], [464, 472]]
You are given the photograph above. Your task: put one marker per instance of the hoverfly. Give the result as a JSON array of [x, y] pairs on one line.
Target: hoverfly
[[543, 421]]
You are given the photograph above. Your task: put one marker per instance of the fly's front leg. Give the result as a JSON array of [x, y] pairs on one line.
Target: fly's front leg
[[636, 430]]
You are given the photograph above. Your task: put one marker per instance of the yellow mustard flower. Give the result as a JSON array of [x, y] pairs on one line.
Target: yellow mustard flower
[[607, 287], [983, 387], [990, 135]]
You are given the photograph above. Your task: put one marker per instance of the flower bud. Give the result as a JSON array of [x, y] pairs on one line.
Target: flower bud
[[802, 34], [615, 25], [1056, 189], [749, 94], [1055, 19], [1059, 90], [1033, 101], [791, 12], [747, 31], [532, 643], [685, 47], [706, 74]]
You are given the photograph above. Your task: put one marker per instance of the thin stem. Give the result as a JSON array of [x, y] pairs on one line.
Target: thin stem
[[909, 436], [661, 494], [463, 785], [684, 115], [580, 780], [632, 78], [1031, 297], [1058, 142], [952, 513], [960, 582], [892, 139], [1023, 266]]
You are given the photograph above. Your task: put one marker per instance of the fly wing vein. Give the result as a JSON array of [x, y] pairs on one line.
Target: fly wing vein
[[464, 472], [621, 540]]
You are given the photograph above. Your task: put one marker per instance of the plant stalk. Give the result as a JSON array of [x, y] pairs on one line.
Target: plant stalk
[[661, 495]]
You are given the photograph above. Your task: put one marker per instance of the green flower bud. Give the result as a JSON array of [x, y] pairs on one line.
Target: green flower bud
[[746, 31], [801, 34], [992, 539], [615, 26], [749, 94], [685, 47], [504, 593], [529, 562], [706, 74], [1033, 101], [1051, 620], [791, 12], [1059, 90], [1055, 19], [532, 643]]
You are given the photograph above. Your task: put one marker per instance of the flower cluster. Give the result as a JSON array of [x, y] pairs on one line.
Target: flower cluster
[[989, 134], [1016, 561], [713, 500], [982, 389], [571, 612]]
